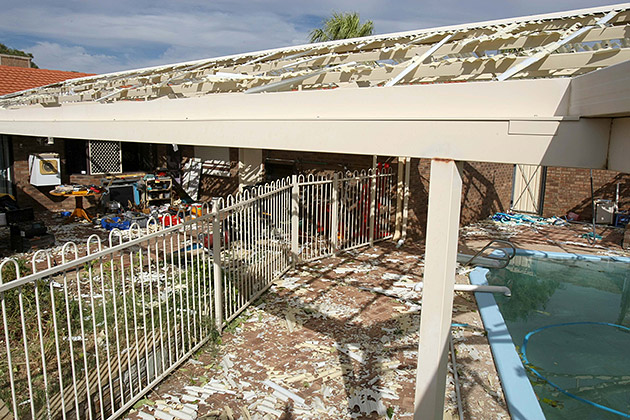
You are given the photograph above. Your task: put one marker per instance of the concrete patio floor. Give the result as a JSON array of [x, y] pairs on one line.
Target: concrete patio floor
[[340, 335]]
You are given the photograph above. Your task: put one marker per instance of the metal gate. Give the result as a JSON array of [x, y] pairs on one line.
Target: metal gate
[[528, 188]]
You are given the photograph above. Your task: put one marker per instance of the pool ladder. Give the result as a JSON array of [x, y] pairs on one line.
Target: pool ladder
[[502, 258]]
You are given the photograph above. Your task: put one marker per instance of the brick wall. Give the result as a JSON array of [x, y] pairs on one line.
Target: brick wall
[[15, 61], [215, 186], [569, 189], [486, 189], [315, 162]]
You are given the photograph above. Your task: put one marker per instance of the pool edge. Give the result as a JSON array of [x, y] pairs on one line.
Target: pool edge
[[519, 395]]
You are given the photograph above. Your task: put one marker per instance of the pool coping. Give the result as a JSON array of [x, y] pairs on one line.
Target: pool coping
[[519, 394]]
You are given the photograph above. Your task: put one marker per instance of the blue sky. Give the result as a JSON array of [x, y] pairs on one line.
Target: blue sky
[[99, 36]]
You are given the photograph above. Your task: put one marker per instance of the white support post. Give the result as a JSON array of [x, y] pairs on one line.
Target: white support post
[[399, 197], [372, 200], [216, 263], [334, 217], [295, 219], [445, 190], [405, 211]]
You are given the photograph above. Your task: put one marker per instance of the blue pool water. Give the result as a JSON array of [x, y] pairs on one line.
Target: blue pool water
[[566, 308]]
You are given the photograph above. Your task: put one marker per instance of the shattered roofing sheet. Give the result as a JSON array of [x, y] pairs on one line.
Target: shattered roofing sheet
[[545, 46]]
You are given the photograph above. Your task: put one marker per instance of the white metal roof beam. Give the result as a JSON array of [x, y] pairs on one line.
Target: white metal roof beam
[[416, 61], [554, 46], [275, 86]]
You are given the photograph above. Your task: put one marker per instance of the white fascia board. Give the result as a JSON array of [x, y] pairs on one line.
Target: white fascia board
[[604, 92], [475, 100], [520, 121]]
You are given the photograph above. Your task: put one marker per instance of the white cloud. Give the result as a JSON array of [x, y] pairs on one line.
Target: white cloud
[[74, 58]]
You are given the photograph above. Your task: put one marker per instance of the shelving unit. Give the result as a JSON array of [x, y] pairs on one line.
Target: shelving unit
[[158, 191]]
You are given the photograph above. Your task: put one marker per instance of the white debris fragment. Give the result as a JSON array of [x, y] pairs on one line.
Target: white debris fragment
[[368, 401], [145, 416], [351, 350], [226, 363], [290, 283], [159, 414], [249, 396], [298, 400]]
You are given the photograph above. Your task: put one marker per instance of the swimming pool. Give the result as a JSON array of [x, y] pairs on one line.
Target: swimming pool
[[564, 334]]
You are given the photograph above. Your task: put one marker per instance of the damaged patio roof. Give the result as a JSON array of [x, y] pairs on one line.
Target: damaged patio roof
[[557, 45]]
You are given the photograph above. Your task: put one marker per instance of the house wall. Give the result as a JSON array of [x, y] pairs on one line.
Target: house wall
[[39, 198], [486, 189], [569, 189]]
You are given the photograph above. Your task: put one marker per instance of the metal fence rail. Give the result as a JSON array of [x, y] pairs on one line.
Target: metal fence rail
[[88, 337], [255, 249], [342, 213]]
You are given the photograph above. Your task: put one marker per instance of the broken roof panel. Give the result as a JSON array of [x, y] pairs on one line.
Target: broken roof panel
[[543, 46]]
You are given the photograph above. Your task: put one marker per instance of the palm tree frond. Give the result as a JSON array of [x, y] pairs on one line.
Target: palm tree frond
[[341, 26]]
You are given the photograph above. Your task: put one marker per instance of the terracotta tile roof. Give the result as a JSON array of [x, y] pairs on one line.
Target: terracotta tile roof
[[15, 79]]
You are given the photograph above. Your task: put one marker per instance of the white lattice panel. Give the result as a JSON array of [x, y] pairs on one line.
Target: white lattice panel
[[105, 157]]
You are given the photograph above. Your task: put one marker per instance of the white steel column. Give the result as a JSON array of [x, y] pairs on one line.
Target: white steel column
[[334, 216], [373, 179], [445, 190], [295, 219], [216, 262], [405, 210]]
